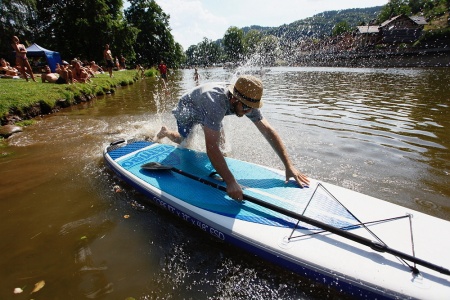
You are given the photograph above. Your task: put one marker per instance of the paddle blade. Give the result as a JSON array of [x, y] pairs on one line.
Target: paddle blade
[[153, 165]]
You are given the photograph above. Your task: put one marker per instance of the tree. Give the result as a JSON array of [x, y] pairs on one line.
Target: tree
[[268, 50], [209, 52], [81, 28], [179, 58], [192, 56], [233, 43], [154, 40], [15, 16], [251, 41], [340, 28], [394, 8]]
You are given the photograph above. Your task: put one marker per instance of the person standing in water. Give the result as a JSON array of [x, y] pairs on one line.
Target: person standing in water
[[208, 104], [21, 58], [163, 70], [196, 75]]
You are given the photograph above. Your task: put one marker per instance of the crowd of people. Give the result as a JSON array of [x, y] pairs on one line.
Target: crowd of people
[[64, 73], [67, 73], [76, 71]]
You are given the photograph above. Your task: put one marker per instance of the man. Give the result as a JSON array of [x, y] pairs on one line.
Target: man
[[208, 104], [52, 77], [107, 55], [163, 70]]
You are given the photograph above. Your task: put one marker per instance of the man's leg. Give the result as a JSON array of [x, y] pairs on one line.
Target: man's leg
[[174, 136]]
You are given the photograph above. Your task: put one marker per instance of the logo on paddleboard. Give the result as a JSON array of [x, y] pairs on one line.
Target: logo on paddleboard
[[145, 156]]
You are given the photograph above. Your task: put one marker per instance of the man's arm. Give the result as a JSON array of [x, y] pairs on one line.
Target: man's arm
[[212, 141], [277, 144]]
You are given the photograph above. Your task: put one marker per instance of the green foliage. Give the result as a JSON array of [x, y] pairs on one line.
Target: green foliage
[[25, 123], [394, 8], [233, 44], [151, 72], [340, 28], [15, 16], [434, 38], [268, 49], [154, 41], [251, 41], [18, 95], [204, 53], [321, 25], [435, 8], [429, 8], [81, 28]]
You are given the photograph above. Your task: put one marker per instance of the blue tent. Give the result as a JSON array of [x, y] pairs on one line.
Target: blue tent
[[52, 57]]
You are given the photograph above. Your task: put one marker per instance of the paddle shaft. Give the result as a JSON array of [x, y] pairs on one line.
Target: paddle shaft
[[343, 233]]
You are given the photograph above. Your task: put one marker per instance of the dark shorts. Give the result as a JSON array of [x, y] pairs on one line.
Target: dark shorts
[[185, 129], [60, 80], [164, 75], [109, 63]]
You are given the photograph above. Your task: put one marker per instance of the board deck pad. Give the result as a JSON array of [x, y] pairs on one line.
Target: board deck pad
[[258, 182]]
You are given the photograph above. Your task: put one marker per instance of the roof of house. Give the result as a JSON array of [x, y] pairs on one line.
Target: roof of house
[[368, 29], [419, 20]]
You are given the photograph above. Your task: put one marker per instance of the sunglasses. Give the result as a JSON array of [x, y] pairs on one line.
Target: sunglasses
[[245, 107]]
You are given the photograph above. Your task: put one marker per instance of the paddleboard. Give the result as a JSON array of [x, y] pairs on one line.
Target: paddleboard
[[190, 190]]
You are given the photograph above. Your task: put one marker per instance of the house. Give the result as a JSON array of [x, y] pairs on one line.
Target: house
[[399, 29], [402, 29], [367, 35]]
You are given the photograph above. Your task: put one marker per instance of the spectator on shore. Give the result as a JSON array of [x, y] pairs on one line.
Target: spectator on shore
[[107, 55], [79, 73], [57, 68], [95, 68], [122, 62], [65, 73], [21, 58], [116, 62], [140, 69], [50, 77], [6, 69]]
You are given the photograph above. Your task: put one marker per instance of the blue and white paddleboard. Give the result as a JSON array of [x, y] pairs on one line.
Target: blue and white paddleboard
[[370, 248]]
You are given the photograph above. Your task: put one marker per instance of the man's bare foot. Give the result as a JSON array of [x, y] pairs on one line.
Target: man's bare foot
[[162, 133]]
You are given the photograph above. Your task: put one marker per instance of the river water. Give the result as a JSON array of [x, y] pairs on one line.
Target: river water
[[382, 132]]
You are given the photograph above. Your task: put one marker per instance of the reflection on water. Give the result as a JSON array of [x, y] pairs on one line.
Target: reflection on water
[[383, 132]]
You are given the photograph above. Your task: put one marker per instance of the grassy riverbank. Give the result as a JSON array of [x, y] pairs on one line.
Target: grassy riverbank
[[28, 99]]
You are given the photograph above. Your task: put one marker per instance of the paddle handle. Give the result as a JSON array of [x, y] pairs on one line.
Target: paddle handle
[[343, 233]]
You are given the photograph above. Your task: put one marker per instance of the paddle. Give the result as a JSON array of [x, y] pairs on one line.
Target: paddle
[[346, 234]]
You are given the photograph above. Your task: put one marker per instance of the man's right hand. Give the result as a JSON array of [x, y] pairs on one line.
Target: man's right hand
[[234, 190]]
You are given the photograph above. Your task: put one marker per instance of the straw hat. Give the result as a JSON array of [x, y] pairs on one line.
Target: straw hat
[[248, 89]]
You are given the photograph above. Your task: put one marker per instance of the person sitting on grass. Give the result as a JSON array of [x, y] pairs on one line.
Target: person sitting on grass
[[66, 73], [79, 73], [96, 69], [6, 69], [57, 78]]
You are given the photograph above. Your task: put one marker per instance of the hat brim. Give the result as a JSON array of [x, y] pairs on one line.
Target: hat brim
[[258, 104]]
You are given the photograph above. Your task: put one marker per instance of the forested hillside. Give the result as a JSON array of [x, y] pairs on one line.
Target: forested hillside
[[322, 25]]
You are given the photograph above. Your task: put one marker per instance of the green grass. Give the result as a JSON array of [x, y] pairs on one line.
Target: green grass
[[17, 96]]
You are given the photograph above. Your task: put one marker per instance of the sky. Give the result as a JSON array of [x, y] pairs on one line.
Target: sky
[[193, 20]]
